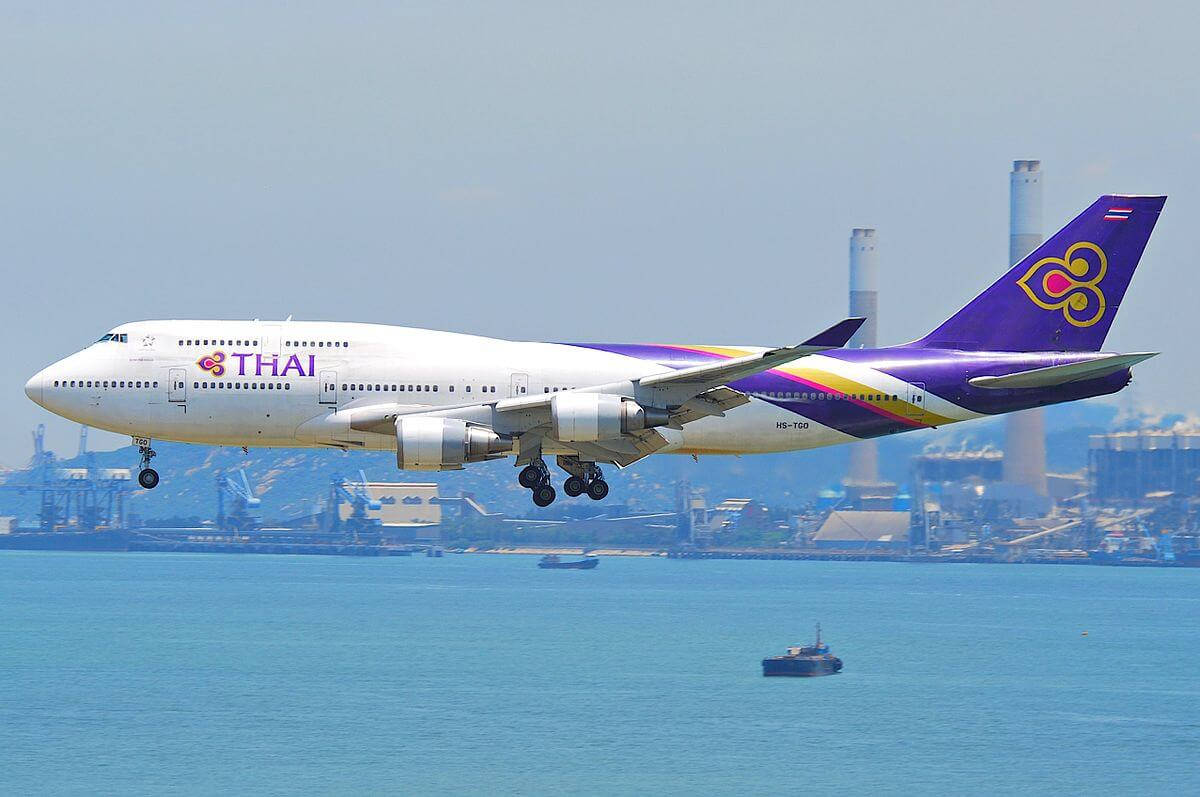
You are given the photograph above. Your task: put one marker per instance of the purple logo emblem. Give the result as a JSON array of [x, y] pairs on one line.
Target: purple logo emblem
[[213, 363]]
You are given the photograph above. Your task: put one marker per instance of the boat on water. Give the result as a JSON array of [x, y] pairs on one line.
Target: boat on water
[[804, 661], [552, 562]]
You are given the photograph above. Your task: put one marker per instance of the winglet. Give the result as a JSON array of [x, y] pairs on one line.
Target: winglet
[[837, 335]]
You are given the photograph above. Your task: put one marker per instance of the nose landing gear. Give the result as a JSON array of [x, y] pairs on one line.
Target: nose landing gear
[[147, 476]]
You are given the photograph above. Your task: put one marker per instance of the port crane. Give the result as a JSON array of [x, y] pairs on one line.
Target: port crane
[[357, 496], [242, 500]]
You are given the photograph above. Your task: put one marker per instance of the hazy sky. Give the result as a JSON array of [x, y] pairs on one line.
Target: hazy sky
[[567, 171]]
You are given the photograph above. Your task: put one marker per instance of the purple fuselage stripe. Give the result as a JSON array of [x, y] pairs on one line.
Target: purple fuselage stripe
[[944, 373]]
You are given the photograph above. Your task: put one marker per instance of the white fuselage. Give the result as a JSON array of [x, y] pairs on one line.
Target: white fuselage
[[259, 383]]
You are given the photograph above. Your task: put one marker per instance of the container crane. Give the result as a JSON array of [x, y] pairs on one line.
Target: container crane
[[242, 500]]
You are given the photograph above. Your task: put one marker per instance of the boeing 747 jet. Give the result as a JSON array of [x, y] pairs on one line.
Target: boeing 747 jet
[[443, 400]]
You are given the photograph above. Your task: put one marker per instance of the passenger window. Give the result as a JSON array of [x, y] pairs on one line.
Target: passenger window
[[452, 388], [287, 385], [343, 387]]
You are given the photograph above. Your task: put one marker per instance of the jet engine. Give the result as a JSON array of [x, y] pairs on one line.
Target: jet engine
[[588, 417], [424, 443]]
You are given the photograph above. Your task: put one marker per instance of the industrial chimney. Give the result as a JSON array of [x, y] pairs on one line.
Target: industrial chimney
[[1025, 432], [864, 303]]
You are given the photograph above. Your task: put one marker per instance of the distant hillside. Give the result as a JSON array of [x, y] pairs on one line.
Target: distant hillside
[[294, 481]]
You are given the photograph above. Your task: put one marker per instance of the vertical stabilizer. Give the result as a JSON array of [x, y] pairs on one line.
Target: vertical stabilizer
[[1064, 295]]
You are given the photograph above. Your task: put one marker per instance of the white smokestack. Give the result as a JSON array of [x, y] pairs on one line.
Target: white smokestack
[[864, 303], [1025, 432]]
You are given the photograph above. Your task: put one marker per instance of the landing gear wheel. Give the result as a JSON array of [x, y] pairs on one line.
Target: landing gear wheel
[[530, 477], [544, 496], [148, 478], [574, 486], [597, 490]]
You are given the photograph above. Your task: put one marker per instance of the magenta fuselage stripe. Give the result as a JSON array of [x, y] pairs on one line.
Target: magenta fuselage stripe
[[868, 405]]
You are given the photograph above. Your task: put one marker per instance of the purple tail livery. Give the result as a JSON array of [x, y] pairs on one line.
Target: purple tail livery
[[1065, 294]]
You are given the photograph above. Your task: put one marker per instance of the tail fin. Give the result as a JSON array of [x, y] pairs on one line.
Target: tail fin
[[1064, 295]]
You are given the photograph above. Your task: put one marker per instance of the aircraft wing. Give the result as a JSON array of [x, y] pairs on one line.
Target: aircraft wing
[[689, 394], [695, 380]]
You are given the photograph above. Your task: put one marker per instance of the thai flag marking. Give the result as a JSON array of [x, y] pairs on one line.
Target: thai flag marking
[[1118, 214]]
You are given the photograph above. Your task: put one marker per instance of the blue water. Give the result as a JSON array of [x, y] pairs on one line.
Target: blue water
[[148, 673]]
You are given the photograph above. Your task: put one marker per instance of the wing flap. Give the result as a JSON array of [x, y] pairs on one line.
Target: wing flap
[[623, 451]]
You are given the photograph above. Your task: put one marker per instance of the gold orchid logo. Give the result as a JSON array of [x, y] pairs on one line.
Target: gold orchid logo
[[1070, 283]]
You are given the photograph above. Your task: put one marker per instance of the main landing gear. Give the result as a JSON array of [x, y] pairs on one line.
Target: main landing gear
[[147, 476], [536, 478], [584, 478]]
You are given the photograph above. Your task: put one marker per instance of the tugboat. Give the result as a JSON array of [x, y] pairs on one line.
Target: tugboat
[[552, 562], [804, 661]]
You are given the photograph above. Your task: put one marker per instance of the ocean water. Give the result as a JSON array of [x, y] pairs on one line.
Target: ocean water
[[183, 673]]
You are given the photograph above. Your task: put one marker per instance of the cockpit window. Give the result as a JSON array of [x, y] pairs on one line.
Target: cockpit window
[[115, 337]]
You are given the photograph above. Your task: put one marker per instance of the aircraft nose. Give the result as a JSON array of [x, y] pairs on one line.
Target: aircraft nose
[[33, 388]]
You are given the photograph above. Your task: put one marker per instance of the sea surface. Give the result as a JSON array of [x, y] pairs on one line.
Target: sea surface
[[188, 673]]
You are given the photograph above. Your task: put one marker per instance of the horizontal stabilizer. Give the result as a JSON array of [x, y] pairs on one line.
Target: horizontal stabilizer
[[1062, 374]]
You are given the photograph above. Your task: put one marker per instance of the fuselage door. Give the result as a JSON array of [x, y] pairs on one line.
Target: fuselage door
[[916, 401], [177, 385], [329, 387], [268, 341], [519, 385]]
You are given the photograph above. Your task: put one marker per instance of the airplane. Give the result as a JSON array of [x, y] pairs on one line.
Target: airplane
[[443, 400]]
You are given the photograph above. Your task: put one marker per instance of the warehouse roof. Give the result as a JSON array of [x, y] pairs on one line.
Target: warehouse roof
[[864, 527]]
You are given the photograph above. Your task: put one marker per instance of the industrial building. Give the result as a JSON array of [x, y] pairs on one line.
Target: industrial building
[[847, 530], [1136, 467]]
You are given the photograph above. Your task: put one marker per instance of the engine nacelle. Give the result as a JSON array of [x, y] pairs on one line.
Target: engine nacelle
[[444, 443], [589, 417]]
